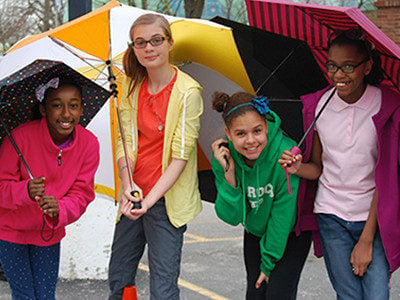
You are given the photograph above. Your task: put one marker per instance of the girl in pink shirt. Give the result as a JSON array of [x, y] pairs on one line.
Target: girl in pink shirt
[[343, 158]]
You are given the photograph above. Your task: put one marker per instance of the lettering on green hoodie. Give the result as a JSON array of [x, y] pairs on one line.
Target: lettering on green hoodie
[[268, 190], [260, 201]]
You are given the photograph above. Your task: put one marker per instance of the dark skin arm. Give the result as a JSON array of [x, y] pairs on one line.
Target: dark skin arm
[[361, 256], [311, 170], [49, 205], [36, 187]]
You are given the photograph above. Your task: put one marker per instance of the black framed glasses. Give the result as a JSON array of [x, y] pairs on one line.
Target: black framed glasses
[[347, 68], [142, 43]]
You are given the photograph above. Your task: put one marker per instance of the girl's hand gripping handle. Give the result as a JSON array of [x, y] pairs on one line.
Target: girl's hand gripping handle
[[136, 204], [295, 151]]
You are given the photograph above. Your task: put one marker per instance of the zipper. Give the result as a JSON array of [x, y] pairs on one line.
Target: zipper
[[59, 158]]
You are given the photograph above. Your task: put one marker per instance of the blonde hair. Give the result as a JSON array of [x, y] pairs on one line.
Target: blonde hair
[[132, 67]]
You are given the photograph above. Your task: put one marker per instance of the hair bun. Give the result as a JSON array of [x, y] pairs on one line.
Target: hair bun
[[219, 100]]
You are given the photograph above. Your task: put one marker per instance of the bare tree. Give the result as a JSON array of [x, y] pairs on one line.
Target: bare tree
[[361, 4], [228, 7], [16, 22], [236, 10], [144, 4], [194, 8], [19, 18], [165, 6], [49, 13]]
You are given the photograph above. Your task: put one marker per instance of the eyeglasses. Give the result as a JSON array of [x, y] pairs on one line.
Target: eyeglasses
[[142, 43], [347, 69]]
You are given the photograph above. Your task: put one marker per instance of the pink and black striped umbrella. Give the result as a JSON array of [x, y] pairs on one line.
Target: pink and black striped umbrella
[[315, 23]]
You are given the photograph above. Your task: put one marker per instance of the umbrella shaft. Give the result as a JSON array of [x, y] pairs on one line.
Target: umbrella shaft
[[316, 118], [16, 147], [113, 87], [122, 133]]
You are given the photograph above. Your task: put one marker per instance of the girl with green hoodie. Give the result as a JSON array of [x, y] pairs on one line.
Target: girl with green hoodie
[[252, 190]]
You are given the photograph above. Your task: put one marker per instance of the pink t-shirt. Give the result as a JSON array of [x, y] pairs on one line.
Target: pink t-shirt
[[349, 153]]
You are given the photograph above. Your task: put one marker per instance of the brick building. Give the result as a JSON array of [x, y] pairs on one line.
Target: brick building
[[387, 18]]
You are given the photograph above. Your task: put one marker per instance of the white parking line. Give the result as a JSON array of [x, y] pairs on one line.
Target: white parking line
[[201, 239]]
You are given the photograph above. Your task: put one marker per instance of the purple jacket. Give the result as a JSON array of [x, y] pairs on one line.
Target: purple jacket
[[387, 174]]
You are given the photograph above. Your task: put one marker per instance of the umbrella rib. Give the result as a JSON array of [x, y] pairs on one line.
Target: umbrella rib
[[277, 68], [316, 118], [332, 29], [321, 23], [390, 79], [388, 55], [78, 56], [312, 17]]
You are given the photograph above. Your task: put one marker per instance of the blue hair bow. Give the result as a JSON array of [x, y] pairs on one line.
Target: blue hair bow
[[261, 104]]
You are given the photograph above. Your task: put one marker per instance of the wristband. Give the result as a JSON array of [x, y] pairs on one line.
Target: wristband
[[120, 170]]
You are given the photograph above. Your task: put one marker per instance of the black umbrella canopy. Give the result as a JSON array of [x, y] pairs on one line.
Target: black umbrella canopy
[[262, 52], [18, 99], [280, 68]]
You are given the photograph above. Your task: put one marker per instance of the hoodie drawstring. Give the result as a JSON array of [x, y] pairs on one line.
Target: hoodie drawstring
[[244, 200], [244, 194], [289, 188], [258, 190]]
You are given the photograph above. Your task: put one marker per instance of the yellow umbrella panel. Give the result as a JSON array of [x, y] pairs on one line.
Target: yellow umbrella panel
[[210, 45]]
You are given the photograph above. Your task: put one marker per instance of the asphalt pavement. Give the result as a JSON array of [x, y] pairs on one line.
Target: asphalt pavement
[[212, 268]]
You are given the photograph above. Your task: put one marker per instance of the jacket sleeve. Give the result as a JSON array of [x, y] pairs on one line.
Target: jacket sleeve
[[185, 136], [13, 188], [229, 202], [398, 140], [280, 224], [126, 113], [81, 193]]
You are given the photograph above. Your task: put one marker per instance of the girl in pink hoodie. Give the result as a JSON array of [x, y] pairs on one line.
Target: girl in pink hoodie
[[63, 157]]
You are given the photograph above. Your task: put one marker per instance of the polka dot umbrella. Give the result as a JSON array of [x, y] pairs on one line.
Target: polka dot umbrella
[[18, 100], [17, 93]]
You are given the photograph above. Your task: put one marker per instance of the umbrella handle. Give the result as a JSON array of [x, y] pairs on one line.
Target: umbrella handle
[[136, 204], [289, 188], [295, 151]]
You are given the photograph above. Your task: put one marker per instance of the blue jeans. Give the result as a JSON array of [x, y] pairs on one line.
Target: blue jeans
[[164, 253], [338, 238], [31, 271]]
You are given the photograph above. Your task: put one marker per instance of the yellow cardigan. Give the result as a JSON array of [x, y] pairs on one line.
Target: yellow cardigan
[[182, 127]]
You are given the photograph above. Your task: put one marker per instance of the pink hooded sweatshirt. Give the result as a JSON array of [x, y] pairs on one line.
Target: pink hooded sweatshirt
[[387, 174], [69, 177]]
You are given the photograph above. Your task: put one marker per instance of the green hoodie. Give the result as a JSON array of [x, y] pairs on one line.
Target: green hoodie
[[270, 213]]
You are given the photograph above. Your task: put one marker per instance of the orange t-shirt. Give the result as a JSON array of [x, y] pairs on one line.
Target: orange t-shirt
[[152, 111]]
